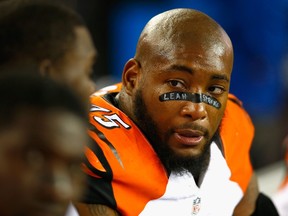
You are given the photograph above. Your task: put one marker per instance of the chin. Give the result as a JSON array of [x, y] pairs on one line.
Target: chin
[[188, 152]]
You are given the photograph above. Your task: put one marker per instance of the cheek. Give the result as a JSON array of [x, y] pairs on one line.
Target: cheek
[[167, 111], [71, 70], [164, 114], [82, 84], [87, 85], [215, 117], [18, 180]]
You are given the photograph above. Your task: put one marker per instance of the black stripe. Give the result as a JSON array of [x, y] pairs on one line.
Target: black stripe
[[109, 144], [98, 151]]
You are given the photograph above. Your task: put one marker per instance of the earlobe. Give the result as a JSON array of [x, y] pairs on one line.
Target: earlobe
[[45, 67], [130, 75]]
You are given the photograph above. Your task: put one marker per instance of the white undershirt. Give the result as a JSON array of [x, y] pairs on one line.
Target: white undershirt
[[217, 194]]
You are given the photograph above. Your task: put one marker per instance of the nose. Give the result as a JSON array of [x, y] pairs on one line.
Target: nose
[[195, 111]]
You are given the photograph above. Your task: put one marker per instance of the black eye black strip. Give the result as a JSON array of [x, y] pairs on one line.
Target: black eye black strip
[[195, 98]]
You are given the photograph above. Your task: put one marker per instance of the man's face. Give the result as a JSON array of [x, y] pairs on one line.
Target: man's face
[[183, 129], [76, 67], [172, 161], [40, 156]]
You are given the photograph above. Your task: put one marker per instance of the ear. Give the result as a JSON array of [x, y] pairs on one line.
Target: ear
[[130, 75], [45, 67]]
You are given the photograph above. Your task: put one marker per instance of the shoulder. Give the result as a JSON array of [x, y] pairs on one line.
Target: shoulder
[[236, 134], [236, 117], [108, 89], [236, 123]]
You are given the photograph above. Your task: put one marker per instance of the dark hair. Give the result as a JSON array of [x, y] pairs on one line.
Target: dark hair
[[36, 29], [30, 90]]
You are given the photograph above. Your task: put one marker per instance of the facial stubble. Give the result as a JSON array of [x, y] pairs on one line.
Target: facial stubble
[[196, 165]]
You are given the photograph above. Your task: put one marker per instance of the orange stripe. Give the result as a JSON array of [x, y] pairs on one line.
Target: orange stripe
[[284, 183], [131, 185], [88, 171]]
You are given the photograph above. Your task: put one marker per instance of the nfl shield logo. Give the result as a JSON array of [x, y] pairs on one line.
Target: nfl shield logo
[[196, 206]]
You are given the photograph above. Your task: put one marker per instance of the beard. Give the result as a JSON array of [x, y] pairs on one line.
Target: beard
[[196, 165]]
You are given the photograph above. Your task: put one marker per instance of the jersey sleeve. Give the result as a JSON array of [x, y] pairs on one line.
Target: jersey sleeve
[[120, 164], [98, 174]]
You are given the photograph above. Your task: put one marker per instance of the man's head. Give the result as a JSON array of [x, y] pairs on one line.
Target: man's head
[[176, 86], [42, 134], [50, 35]]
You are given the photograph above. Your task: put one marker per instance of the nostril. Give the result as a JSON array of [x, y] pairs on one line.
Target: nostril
[[194, 110]]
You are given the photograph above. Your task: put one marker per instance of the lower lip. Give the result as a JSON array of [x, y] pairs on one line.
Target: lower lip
[[189, 141]]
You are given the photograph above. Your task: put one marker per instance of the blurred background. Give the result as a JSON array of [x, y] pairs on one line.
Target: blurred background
[[258, 30]]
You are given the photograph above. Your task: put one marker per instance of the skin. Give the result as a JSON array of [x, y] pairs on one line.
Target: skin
[[95, 210], [75, 68], [247, 204], [39, 146], [180, 50], [187, 59]]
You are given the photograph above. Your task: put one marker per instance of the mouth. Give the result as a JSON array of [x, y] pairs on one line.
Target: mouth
[[189, 137]]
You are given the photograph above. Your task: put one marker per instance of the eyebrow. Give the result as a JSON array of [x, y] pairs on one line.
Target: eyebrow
[[183, 68], [220, 77]]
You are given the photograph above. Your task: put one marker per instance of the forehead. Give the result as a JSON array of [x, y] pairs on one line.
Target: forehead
[[215, 59], [193, 57], [194, 40], [51, 131]]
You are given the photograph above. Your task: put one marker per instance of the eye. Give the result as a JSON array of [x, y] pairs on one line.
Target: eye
[[216, 90], [177, 84]]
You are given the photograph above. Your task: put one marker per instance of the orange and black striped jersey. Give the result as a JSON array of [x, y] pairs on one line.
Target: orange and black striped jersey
[[125, 173]]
